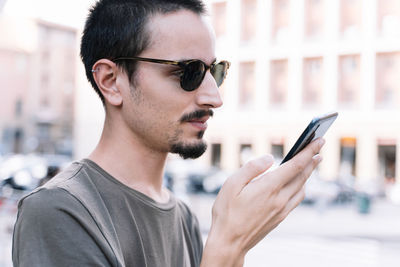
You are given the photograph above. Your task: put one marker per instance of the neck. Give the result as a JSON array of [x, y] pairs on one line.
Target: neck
[[131, 162]]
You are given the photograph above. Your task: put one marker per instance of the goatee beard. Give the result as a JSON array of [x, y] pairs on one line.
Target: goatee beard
[[186, 151]]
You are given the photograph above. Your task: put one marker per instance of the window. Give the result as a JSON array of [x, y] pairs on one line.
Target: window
[[44, 101], [280, 20], [44, 80], [21, 63], [389, 17], [249, 20], [246, 153], [18, 141], [219, 18], [68, 107], [18, 108], [387, 80], [349, 80], [348, 155], [387, 159], [314, 18], [247, 83], [216, 155], [350, 18], [279, 82], [277, 149], [45, 56], [312, 81], [44, 33]]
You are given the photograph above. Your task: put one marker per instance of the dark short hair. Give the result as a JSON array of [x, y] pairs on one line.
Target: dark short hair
[[117, 28]]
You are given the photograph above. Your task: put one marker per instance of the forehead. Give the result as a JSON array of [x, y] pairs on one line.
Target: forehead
[[180, 35]]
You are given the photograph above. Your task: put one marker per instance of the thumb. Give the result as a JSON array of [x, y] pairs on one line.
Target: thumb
[[253, 169]]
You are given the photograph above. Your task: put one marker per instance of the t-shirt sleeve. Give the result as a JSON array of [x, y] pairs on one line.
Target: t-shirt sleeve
[[193, 226], [198, 239], [55, 229]]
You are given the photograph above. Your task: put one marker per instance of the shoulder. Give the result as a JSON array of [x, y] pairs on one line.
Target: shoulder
[[184, 208], [52, 192], [71, 184], [49, 205], [49, 221], [55, 196], [187, 214], [73, 171]]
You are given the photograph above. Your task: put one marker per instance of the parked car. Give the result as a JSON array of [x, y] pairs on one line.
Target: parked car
[[318, 190], [26, 172], [186, 175], [22, 172], [213, 182], [195, 179]]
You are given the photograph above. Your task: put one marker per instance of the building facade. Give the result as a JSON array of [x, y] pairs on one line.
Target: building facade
[[294, 59], [38, 80]]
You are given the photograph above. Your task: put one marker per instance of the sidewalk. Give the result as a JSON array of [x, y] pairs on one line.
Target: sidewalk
[[382, 223], [332, 236]]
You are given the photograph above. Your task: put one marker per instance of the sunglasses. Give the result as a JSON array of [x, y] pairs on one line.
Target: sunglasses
[[192, 71]]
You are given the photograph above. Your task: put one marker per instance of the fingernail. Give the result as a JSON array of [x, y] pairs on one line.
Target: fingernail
[[317, 157]]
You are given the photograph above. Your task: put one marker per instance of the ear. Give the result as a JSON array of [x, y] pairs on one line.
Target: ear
[[105, 75]]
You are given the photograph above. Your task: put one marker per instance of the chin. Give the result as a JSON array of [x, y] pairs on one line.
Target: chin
[[189, 151]]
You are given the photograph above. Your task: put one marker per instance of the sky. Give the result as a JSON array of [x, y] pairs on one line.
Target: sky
[[67, 12]]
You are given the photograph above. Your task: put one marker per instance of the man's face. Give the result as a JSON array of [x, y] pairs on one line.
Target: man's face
[[157, 110]]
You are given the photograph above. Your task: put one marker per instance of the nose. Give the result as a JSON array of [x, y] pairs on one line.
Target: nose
[[208, 94]]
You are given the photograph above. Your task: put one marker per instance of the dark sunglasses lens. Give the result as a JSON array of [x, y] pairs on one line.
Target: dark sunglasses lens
[[193, 75], [219, 72]]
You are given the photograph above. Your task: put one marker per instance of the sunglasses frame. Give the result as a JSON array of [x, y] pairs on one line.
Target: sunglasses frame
[[182, 64]]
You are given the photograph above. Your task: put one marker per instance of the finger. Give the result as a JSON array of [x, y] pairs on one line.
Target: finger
[[294, 201], [296, 184], [251, 170], [290, 205], [297, 164]]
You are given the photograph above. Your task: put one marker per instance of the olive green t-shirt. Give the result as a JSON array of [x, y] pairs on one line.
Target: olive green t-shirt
[[85, 217]]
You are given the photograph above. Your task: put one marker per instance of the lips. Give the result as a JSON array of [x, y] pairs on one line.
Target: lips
[[200, 123]]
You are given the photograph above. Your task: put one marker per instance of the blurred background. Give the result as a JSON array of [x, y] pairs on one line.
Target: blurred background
[[291, 60]]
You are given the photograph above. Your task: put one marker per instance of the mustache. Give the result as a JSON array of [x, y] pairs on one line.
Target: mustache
[[197, 115]]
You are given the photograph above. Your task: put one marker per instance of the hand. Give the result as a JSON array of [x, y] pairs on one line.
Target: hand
[[247, 209]]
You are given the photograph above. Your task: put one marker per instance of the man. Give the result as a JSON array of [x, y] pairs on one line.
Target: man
[[153, 65]]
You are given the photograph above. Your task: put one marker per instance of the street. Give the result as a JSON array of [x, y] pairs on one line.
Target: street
[[311, 236]]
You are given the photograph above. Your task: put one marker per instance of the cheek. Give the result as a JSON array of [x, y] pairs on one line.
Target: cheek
[[163, 96]]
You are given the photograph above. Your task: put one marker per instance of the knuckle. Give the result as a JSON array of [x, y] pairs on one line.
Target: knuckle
[[282, 215], [316, 148], [257, 165], [305, 177], [271, 189], [280, 203], [318, 145], [298, 165]]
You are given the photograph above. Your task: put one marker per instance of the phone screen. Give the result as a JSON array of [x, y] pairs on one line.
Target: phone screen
[[317, 128]]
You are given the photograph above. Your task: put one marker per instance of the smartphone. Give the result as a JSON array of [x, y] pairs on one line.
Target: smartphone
[[317, 128]]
